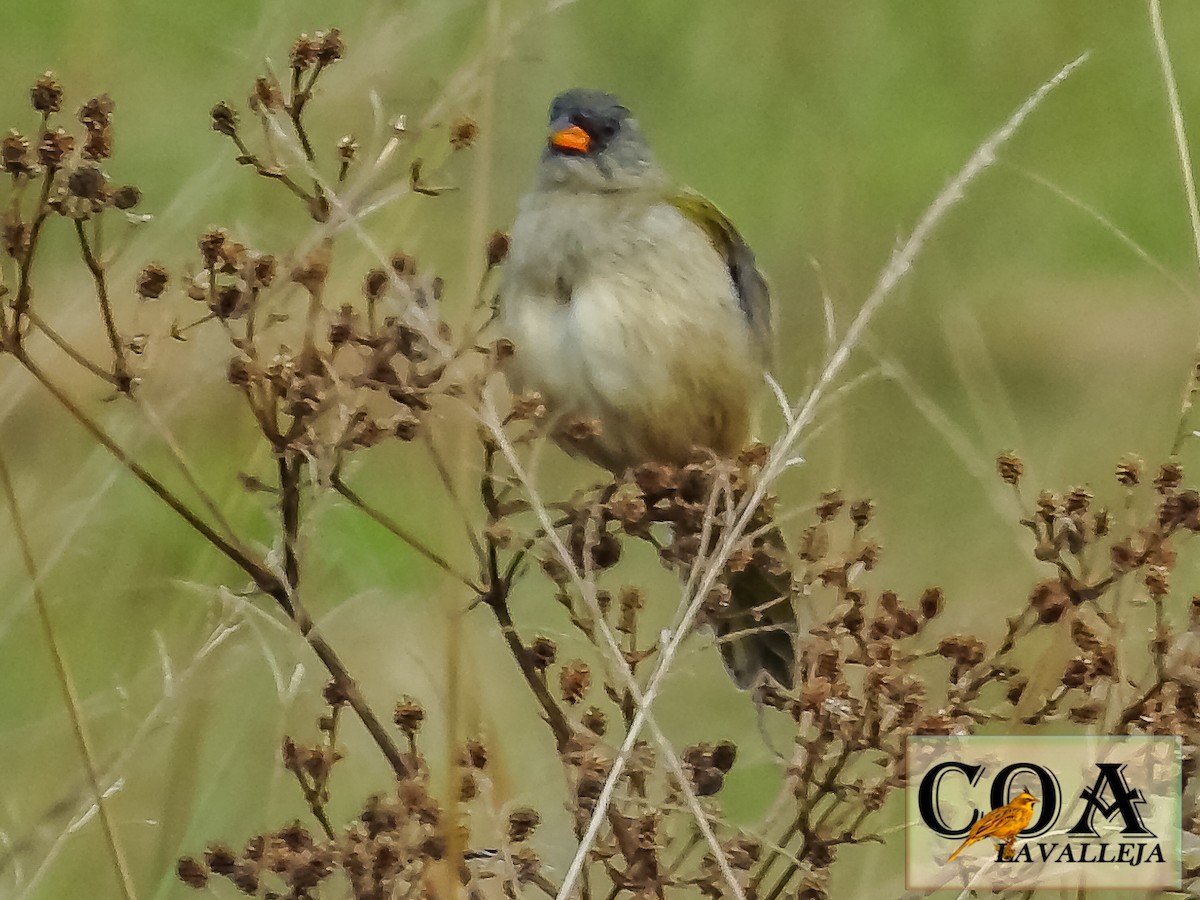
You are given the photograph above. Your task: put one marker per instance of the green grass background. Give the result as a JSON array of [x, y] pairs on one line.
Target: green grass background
[[822, 129]]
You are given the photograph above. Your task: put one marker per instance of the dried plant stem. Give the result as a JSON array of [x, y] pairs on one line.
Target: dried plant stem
[[185, 468], [402, 533], [271, 172], [288, 464], [266, 581], [67, 686], [1181, 141], [120, 369], [24, 277], [66, 347], [900, 264], [1189, 186]]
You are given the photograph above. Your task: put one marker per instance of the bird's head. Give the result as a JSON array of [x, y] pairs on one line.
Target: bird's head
[[594, 144], [1025, 800]]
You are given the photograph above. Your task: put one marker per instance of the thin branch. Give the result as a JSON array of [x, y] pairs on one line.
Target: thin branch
[[1181, 141], [67, 686], [402, 533], [24, 277], [66, 347], [120, 370]]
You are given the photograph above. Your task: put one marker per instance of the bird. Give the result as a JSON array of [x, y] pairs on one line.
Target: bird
[[635, 304], [1003, 823]]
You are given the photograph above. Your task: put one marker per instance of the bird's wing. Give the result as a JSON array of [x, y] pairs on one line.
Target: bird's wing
[[753, 294]]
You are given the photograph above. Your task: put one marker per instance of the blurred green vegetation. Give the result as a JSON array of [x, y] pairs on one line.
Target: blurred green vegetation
[[822, 129]]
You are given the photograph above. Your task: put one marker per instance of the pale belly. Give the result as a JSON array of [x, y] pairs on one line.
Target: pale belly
[[661, 372]]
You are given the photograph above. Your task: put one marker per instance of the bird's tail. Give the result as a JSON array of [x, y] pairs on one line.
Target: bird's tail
[[963, 846], [757, 630]]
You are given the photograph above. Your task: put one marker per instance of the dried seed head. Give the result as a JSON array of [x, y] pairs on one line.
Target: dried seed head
[[497, 248], [1084, 637], [543, 652], [474, 754], [655, 479], [1158, 581], [574, 680], [1010, 467], [931, 602], [1049, 506], [829, 505], [126, 197], [374, 283], [580, 430], [754, 456], [210, 246], [97, 112], [305, 52], [192, 872], [151, 282], [1123, 556], [594, 720], [707, 781], [15, 154], [632, 602], [267, 94], [861, 512], [1050, 599], [463, 133], [312, 272], [468, 790], [46, 95], [521, 823], [404, 265], [98, 143], [409, 716], [88, 183], [963, 649], [347, 149], [1078, 500], [220, 859], [54, 147], [869, 555], [1016, 689], [1170, 474], [724, 755], [527, 406], [1129, 471], [330, 46], [263, 270], [240, 371], [335, 693], [224, 119]]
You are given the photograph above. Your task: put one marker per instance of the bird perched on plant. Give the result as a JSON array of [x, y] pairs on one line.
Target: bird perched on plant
[[637, 305], [1003, 824]]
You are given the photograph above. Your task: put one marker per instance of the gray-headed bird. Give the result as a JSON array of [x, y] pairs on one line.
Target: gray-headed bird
[[638, 305]]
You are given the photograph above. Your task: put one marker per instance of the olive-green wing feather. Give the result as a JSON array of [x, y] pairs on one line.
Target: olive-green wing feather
[[753, 295]]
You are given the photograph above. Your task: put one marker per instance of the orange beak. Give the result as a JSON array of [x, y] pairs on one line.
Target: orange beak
[[573, 138]]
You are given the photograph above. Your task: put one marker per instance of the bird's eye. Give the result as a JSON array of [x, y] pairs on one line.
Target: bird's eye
[[600, 130]]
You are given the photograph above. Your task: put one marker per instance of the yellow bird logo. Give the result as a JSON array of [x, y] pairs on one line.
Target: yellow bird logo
[[1003, 824]]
